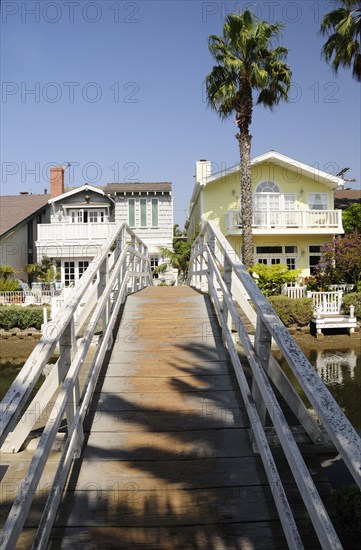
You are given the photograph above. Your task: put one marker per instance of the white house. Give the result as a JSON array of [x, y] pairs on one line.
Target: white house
[[82, 219], [19, 219]]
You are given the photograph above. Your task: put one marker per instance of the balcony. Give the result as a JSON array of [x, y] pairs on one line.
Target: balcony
[[283, 221], [72, 239]]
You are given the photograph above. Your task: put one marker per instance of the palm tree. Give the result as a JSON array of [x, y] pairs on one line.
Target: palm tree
[[343, 26], [249, 70], [44, 271]]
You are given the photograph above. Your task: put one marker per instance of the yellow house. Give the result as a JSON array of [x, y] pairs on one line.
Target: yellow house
[[293, 209]]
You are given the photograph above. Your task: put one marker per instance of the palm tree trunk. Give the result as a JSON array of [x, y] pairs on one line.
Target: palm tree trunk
[[246, 198], [244, 119]]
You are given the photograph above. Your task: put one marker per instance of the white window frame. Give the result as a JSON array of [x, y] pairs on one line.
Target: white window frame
[[78, 215], [155, 261], [77, 266], [323, 201], [313, 255], [269, 258]]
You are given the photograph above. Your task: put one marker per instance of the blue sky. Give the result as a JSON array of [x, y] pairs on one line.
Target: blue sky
[[116, 89]]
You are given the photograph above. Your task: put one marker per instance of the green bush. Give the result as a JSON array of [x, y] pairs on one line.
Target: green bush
[[292, 311], [271, 278], [9, 285], [352, 299], [21, 317]]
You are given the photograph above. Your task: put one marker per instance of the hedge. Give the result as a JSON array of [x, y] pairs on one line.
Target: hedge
[[292, 311], [21, 317], [352, 299]]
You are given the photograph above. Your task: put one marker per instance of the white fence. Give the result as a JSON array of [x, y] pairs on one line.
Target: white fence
[[294, 291], [323, 302], [326, 302]]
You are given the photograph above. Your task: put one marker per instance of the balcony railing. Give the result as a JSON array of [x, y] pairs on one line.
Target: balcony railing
[[283, 219], [63, 232]]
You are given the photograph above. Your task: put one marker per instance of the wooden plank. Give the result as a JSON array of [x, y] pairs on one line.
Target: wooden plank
[[130, 507], [205, 472], [146, 445], [263, 536], [210, 415], [160, 369], [152, 384]]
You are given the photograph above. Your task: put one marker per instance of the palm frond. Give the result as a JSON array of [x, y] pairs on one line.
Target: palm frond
[[343, 46], [244, 54]]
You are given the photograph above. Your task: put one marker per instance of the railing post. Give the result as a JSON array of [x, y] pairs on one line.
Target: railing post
[[140, 265], [339, 305], [102, 283], [132, 261], [119, 244], [227, 277], [262, 346], [211, 242], [67, 350], [200, 262]]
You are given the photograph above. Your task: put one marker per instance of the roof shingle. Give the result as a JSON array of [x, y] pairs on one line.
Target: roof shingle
[[16, 208], [142, 187]]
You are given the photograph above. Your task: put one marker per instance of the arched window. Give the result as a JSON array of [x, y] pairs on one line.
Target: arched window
[[268, 187], [267, 198]]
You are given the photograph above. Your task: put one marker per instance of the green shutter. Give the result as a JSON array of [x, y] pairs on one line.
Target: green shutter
[[154, 212], [131, 212], [143, 212]]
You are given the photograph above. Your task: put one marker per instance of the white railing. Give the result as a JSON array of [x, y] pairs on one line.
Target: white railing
[[122, 266], [294, 291], [214, 267], [343, 287], [326, 302], [17, 297], [28, 297], [60, 232], [282, 219]]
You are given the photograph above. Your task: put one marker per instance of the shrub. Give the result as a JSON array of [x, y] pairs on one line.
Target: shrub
[[352, 299], [292, 311], [21, 317], [9, 285], [271, 278]]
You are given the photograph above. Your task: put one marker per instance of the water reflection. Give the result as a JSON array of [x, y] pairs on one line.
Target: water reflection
[[335, 366], [340, 370]]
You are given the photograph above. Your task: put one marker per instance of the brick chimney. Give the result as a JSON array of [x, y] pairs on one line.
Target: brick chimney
[[56, 181]]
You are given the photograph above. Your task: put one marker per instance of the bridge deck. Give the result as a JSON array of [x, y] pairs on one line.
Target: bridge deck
[[167, 462]]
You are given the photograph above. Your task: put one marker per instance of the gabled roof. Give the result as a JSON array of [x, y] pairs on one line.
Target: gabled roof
[[75, 190], [142, 187], [15, 209], [285, 161]]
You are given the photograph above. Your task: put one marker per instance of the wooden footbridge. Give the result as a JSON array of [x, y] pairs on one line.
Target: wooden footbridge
[[164, 424]]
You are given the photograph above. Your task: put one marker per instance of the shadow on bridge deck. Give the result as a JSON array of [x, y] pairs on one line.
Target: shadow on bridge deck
[[167, 462]]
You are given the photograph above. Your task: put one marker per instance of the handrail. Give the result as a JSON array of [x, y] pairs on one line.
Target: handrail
[[214, 266], [114, 270]]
